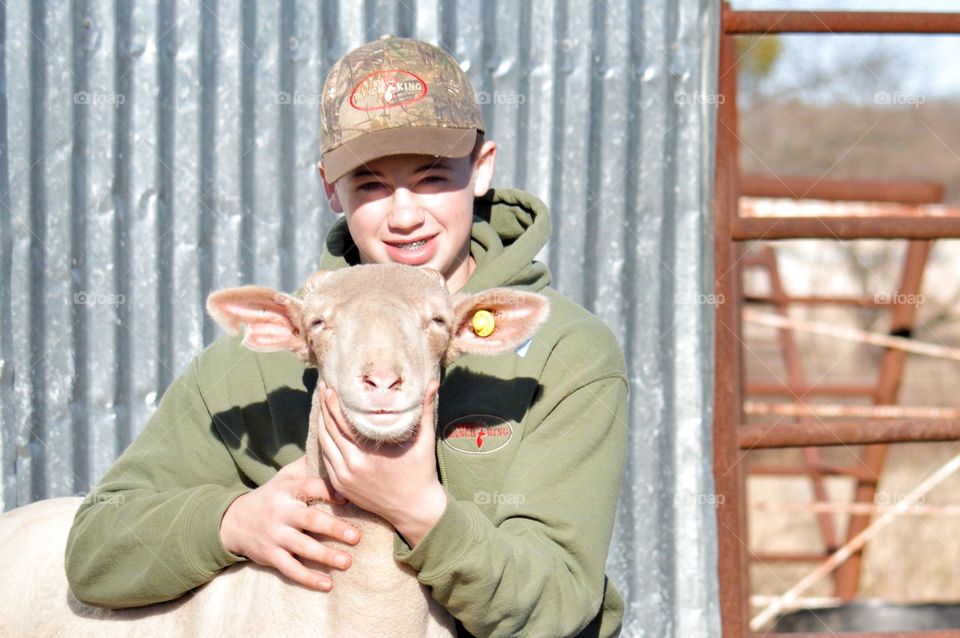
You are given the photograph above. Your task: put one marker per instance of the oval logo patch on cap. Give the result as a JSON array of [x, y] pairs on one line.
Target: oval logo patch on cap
[[386, 89], [477, 434]]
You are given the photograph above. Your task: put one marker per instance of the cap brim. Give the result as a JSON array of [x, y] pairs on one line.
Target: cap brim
[[417, 140]]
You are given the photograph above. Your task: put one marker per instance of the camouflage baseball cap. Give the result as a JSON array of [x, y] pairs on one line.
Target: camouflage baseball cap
[[396, 96]]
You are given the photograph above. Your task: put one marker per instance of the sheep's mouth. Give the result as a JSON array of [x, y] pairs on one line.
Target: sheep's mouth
[[387, 426], [385, 416]]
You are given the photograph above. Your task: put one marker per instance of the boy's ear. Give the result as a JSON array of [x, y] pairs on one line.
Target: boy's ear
[[516, 316], [273, 319], [332, 197], [483, 165]]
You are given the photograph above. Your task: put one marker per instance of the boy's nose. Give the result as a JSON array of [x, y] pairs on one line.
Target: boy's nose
[[405, 212]]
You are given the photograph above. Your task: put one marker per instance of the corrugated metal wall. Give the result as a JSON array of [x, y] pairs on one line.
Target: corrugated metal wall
[[151, 152]]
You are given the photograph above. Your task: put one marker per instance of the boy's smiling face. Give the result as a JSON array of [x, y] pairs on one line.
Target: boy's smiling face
[[415, 209]]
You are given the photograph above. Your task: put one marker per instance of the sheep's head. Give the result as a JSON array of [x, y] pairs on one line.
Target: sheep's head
[[378, 334]]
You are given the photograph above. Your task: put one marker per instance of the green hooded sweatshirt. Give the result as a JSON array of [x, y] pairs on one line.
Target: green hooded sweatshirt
[[531, 449]]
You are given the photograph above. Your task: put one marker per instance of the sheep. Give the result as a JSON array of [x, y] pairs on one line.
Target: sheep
[[395, 325]]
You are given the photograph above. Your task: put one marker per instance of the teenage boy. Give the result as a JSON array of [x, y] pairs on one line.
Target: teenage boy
[[505, 507]]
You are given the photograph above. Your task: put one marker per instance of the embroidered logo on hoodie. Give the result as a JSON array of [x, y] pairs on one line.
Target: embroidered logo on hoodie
[[477, 434]]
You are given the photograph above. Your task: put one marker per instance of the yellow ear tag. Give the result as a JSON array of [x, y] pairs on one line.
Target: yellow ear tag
[[483, 323]]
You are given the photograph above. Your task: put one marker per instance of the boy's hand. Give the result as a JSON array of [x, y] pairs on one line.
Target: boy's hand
[[398, 483], [268, 526]]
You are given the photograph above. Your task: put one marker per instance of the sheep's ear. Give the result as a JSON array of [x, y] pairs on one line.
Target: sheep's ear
[[273, 319], [436, 274], [314, 280], [516, 316]]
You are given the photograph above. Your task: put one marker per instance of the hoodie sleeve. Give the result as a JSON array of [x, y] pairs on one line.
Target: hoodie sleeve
[[149, 532], [537, 567]]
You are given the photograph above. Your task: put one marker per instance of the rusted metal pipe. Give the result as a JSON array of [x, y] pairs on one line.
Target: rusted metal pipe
[[840, 411], [841, 190], [832, 22], [759, 436], [828, 507], [858, 472], [925, 633], [811, 390], [826, 227], [732, 566], [852, 334], [786, 557], [806, 602], [814, 300]]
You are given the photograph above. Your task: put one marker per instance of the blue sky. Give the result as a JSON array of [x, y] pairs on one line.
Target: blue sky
[[921, 65]]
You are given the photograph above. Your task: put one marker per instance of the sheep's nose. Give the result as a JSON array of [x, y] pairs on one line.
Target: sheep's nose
[[382, 380]]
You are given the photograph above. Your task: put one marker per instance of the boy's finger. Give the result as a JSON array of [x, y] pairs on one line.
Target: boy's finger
[[337, 424], [330, 454], [323, 433], [318, 522], [298, 573], [428, 415], [430, 396], [309, 548]]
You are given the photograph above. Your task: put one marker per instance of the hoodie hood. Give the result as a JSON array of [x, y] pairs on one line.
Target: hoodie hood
[[509, 229]]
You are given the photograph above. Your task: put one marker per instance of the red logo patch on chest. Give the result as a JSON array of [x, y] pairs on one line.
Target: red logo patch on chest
[[477, 434]]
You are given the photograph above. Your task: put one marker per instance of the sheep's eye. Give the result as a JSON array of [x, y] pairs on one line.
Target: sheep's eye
[[317, 324], [440, 321]]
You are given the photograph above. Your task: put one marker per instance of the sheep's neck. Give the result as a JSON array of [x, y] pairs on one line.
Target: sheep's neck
[[373, 568], [373, 528]]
